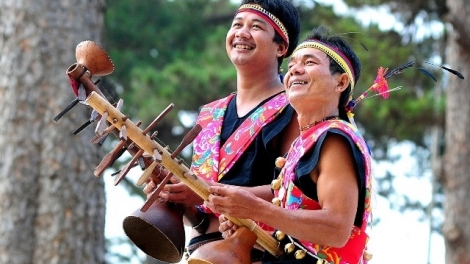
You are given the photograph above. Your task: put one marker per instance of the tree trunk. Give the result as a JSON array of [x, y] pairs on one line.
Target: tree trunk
[[456, 227], [51, 206]]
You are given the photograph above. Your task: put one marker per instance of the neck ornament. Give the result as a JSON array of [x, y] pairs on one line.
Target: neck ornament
[[304, 128]]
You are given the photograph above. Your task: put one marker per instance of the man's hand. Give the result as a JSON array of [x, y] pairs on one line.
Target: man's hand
[[233, 201], [175, 192], [226, 227]]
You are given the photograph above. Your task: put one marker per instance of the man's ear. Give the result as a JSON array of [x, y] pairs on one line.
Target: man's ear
[[343, 82], [282, 49]]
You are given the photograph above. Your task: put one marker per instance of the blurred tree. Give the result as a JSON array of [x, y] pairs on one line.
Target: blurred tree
[[456, 182], [52, 207]]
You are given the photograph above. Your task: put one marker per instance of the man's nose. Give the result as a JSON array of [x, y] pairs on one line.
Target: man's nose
[[242, 33]]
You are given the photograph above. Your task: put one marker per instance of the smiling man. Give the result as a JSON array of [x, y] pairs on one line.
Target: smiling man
[[322, 203], [243, 133]]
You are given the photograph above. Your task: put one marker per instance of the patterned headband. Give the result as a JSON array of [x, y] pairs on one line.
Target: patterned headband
[[335, 54], [273, 20]]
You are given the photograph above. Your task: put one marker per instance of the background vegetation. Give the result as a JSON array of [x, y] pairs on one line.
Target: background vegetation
[[167, 51]]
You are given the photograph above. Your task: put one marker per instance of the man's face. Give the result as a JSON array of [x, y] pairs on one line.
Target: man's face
[[309, 81], [249, 41]]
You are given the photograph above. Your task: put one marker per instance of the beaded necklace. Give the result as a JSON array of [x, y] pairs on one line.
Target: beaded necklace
[[304, 128]]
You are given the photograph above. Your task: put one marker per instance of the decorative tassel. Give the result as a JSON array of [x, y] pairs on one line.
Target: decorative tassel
[[74, 84], [381, 86]]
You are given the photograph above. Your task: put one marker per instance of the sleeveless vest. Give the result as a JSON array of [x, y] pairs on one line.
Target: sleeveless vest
[[292, 198], [210, 160]]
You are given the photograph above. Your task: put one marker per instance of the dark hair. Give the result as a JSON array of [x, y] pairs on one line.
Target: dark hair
[[288, 15], [322, 34]]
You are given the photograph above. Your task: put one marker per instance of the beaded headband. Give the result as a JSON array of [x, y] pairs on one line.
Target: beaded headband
[[273, 20], [380, 85], [333, 53]]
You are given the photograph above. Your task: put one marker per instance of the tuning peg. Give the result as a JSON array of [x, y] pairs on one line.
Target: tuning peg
[[188, 138], [93, 117], [99, 140], [110, 158], [119, 171], [102, 124], [128, 167], [141, 162], [123, 133], [159, 117], [81, 91], [157, 157], [148, 171], [154, 196], [67, 108]]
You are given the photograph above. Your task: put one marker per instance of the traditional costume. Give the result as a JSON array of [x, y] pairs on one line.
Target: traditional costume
[[295, 190], [238, 151]]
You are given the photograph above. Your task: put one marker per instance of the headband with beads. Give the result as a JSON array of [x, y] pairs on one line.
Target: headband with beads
[[272, 19], [380, 85], [336, 55]]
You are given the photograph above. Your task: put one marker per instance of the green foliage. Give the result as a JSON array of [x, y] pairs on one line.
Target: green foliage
[[174, 52], [169, 52]]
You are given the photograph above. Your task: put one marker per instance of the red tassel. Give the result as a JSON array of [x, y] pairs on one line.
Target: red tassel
[[380, 83], [74, 84]]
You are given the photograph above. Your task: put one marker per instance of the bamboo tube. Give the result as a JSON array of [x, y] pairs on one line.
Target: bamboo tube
[[141, 139]]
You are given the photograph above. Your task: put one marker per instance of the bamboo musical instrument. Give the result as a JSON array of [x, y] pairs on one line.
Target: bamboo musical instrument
[[149, 146], [93, 60]]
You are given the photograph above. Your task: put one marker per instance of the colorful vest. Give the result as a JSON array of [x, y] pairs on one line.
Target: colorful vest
[[292, 198], [212, 162]]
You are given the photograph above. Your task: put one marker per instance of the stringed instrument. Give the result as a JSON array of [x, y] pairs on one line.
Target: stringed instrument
[[156, 228]]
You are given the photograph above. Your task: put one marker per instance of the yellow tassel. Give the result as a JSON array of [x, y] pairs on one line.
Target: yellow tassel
[[351, 118]]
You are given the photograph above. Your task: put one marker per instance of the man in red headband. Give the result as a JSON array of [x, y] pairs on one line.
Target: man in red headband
[[322, 204], [243, 133]]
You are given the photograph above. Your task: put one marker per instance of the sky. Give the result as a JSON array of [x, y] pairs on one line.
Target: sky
[[397, 236]]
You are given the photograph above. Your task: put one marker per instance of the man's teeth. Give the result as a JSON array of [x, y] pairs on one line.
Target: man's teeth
[[297, 82], [243, 47]]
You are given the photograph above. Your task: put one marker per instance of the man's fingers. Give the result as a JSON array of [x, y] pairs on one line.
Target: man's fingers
[[174, 179], [149, 187], [222, 218]]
